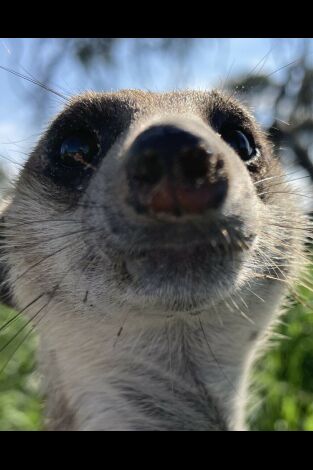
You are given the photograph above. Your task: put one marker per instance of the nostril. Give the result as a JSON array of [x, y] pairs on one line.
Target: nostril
[[149, 169], [172, 171], [194, 164]]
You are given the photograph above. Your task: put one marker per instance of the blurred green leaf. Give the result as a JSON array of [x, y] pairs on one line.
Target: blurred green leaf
[[20, 403], [283, 377]]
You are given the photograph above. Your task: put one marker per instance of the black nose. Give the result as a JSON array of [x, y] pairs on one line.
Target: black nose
[[171, 170]]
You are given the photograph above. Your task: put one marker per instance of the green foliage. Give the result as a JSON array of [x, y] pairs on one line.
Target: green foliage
[[20, 404], [284, 375]]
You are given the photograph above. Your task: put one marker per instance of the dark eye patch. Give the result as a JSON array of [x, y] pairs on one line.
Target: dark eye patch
[[77, 141], [234, 128]]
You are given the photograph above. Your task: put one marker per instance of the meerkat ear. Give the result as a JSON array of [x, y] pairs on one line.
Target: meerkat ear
[[6, 297]]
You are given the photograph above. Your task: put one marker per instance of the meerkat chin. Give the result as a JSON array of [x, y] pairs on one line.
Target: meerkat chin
[[143, 242]]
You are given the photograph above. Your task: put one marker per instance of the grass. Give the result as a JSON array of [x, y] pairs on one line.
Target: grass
[[284, 376], [20, 403]]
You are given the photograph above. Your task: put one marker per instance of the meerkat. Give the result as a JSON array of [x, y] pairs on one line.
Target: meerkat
[[144, 243]]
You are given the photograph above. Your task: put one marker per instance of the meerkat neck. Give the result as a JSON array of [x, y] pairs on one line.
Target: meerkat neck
[[166, 375]]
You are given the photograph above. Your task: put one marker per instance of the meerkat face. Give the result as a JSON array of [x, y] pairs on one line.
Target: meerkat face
[[144, 199]]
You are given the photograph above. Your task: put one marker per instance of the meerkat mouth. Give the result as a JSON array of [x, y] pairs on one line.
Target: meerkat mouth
[[149, 238], [182, 251], [187, 267], [186, 257]]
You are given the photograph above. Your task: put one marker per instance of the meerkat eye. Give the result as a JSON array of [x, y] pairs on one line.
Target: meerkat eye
[[78, 150], [72, 159], [241, 143]]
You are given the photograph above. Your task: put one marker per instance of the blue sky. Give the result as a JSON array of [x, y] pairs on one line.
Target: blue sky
[[211, 62]]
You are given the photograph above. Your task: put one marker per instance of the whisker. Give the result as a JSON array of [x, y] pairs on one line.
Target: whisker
[[284, 181], [25, 139], [285, 192], [256, 295], [283, 67], [45, 240], [42, 260], [22, 329], [284, 178], [31, 320], [34, 81], [4, 157], [18, 314], [9, 224], [15, 351], [260, 64], [238, 309]]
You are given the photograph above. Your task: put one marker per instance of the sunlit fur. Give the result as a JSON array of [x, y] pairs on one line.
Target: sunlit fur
[[124, 347]]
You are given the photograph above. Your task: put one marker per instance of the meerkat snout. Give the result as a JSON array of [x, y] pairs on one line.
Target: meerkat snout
[[172, 170]]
